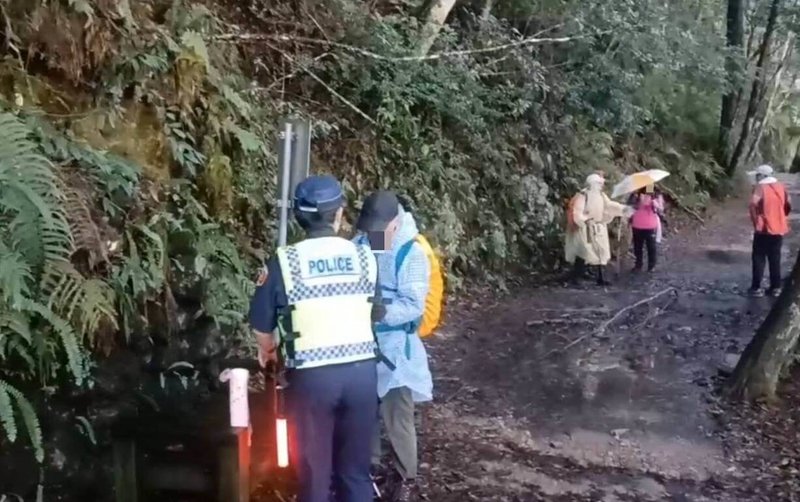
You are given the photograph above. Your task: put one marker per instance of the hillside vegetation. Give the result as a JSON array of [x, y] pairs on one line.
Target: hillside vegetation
[[138, 155]]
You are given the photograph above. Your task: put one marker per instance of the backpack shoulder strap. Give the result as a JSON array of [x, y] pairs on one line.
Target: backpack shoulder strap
[[402, 254]]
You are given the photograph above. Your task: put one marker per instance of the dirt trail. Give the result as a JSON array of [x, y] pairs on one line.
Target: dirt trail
[[626, 416]]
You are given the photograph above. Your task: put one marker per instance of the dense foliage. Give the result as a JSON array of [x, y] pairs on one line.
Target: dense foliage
[[137, 163]]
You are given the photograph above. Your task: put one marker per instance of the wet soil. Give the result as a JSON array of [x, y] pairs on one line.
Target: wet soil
[[526, 409]]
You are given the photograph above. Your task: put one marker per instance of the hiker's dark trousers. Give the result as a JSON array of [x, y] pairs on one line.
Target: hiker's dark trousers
[[767, 247], [642, 238]]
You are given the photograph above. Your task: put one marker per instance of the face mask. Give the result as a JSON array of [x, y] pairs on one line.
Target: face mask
[[377, 241]]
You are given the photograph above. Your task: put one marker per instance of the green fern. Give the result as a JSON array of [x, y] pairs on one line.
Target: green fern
[[7, 392], [15, 323], [76, 358], [29, 196], [7, 413], [15, 276], [89, 302], [34, 259]]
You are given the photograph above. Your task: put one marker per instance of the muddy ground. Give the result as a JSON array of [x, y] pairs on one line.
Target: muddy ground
[[536, 401]]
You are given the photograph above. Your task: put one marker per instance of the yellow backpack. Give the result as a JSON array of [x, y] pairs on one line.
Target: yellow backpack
[[434, 302]]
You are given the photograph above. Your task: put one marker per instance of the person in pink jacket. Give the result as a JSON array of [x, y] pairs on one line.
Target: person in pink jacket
[[645, 223]]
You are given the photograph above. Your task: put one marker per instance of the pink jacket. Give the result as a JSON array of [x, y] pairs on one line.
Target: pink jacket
[[646, 216]]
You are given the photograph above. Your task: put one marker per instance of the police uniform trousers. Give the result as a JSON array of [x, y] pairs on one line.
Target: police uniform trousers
[[331, 413]]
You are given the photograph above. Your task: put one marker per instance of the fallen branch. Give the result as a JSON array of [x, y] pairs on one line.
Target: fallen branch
[[599, 310], [681, 206], [261, 37], [657, 312], [603, 327], [454, 394], [541, 322]]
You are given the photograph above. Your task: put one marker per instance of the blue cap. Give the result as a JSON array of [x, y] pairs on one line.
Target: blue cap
[[318, 194]]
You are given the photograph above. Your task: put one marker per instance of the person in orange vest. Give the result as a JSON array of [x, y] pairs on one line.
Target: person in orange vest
[[770, 206]]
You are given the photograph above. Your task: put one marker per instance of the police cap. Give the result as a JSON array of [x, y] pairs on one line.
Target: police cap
[[379, 209], [316, 194]]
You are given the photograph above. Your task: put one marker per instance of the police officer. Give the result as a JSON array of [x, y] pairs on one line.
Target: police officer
[[312, 308]]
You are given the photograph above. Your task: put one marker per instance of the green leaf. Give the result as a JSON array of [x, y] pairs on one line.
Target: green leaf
[[82, 7], [194, 43], [247, 140]]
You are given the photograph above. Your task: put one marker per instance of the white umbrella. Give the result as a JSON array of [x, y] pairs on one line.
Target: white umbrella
[[639, 180]]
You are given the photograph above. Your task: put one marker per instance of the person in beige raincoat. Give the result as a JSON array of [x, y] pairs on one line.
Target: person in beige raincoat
[[586, 241]]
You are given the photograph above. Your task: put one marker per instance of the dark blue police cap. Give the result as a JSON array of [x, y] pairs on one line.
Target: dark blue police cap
[[318, 194]]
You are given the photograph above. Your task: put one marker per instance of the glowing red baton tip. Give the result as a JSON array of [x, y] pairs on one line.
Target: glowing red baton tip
[[283, 442]]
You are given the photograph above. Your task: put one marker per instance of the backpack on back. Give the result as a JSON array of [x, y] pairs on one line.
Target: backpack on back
[[434, 302], [571, 226]]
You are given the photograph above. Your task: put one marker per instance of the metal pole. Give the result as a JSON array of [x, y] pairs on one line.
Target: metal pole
[[283, 203]]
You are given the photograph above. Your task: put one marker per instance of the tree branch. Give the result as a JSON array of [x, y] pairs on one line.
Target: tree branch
[[286, 77], [325, 85], [262, 37]]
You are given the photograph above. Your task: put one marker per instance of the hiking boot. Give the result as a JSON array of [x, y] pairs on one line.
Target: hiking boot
[[405, 491], [755, 292], [774, 292], [601, 277]]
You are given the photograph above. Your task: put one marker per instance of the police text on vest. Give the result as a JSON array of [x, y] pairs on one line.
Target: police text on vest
[[331, 265]]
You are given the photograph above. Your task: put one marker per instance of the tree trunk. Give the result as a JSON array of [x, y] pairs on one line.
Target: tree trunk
[[784, 61], [735, 37], [791, 156], [795, 164], [756, 90], [434, 20], [772, 347], [487, 10]]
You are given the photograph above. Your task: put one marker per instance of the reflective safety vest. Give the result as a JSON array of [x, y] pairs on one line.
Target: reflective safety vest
[[329, 284], [772, 210]]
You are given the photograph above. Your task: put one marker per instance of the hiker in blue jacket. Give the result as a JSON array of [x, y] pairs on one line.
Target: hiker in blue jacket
[[403, 374]]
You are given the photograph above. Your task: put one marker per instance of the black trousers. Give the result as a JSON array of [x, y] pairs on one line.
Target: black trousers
[[640, 239], [767, 248], [332, 414]]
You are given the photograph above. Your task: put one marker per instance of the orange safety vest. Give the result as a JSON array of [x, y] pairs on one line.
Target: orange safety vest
[[771, 210]]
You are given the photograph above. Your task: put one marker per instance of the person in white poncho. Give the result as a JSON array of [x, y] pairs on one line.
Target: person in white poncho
[[586, 240]]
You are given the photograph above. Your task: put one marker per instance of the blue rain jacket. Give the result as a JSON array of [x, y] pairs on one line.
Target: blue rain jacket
[[407, 289]]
